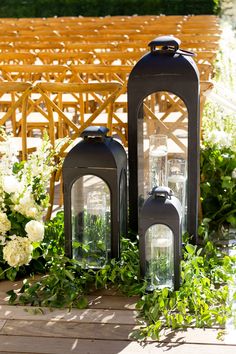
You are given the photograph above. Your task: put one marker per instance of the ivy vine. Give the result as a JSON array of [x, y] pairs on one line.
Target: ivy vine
[[201, 301]]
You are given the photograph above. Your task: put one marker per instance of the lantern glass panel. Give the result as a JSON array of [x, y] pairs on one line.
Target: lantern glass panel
[[177, 175], [159, 252], [123, 203], [91, 221], [164, 114]]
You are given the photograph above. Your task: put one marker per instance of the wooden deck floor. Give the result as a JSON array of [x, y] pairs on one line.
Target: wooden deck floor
[[103, 328]]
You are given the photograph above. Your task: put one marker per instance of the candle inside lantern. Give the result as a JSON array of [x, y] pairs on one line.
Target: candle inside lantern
[[159, 256], [157, 160]]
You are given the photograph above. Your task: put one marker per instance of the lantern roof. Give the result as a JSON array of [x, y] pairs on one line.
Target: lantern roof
[[165, 59], [96, 150]]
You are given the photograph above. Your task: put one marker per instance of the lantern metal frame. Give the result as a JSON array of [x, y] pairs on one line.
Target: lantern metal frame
[[172, 70], [102, 156], [162, 208]]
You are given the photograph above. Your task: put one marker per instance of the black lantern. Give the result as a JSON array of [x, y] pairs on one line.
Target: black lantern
[[160, 239], [163, 99], [95, 193]]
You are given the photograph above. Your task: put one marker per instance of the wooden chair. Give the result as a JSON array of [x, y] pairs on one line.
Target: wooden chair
[[89, 47], [65, 58], [33, 72], [108, 73], [104, 95], [17, 58], [118, 57], [36, 47], [19, 92]]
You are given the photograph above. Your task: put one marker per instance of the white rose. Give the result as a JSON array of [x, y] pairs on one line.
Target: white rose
[[35, 230], [5, 224], [18, 251], [10, 184]]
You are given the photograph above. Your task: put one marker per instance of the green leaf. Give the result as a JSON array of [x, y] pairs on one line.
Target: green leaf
[[190, 249], [82, 302], [12, 296], [165, 292]]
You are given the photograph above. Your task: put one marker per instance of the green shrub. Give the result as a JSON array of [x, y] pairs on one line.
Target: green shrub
[[49, 8]]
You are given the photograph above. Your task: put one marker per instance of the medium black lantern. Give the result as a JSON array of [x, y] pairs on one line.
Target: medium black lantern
[[163, 100], [160, 239], [95, 193]]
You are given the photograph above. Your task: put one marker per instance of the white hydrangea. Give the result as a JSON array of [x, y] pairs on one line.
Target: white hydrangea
[[35, 230], [5, 224], [18, 251], [2, 240], [27, 206]]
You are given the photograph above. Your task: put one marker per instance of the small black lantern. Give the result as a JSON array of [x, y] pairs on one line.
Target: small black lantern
[[95, 192], [163, 98], [160, 239]]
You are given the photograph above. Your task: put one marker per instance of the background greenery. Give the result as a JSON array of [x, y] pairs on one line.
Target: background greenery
[[48, 8]]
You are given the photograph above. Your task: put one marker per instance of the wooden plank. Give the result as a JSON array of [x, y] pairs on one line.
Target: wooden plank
[[39, 345], [112, 302], [101, 331], [67, 329], [2, 322], [73, 315]]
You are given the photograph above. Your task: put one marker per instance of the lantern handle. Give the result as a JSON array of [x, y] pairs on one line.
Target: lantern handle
[[169, 45], [94, 131], [163, 192]]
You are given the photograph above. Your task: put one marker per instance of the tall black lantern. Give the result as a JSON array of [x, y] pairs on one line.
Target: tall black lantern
[[160, 239], [95, 193], [163, 99]]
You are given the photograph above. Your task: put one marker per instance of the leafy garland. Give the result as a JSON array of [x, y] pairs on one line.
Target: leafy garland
[[206, 273], [201, 301], [218, 189]]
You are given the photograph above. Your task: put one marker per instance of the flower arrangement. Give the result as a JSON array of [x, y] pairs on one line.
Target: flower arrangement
[[23, 203]]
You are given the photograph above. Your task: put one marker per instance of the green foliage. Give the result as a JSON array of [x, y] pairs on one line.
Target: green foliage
[[201, 301], [49, 8], [218, 187], [92, 243]]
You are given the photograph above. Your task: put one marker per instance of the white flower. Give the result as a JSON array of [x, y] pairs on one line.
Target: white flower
[[10, 184], [2, 240], [35, 230], [5, 224], [18, 251], [27, 206], [219, 138]]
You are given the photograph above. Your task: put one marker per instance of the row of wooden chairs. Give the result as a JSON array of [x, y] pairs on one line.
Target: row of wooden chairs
[[66, 109], [20, 63], [60, 33], [94, 106], [87, 73]]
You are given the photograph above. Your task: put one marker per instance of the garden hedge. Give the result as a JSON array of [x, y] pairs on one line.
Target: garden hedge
[[48, 8]]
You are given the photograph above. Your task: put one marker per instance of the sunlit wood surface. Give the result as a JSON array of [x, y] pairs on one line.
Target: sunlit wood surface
[[103, 328]]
